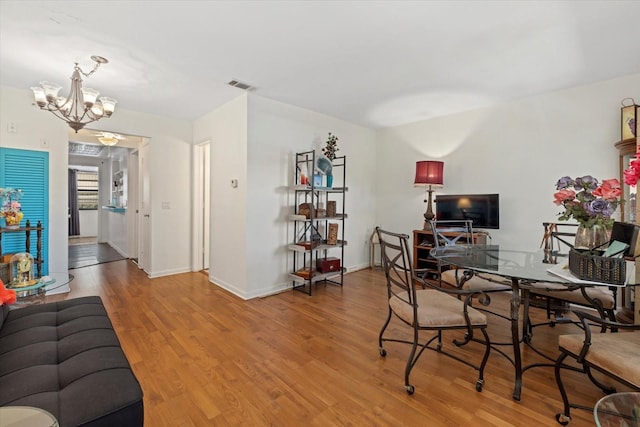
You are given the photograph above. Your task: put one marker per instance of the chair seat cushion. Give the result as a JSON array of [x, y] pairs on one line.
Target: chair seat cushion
[[558, 291], [616, 353], [483, 282], [436, 309]]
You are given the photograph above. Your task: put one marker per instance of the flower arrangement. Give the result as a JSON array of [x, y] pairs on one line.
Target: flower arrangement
[[331, 148], [11, 209], [587, 201], [632, 175]]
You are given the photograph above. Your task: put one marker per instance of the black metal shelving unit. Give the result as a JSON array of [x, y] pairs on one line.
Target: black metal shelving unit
[[314, 227]]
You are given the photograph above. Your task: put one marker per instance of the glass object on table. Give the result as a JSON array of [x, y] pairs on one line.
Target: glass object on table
[[21, 270], [591, 238], [43, 285], [618, 409], [26, 416]]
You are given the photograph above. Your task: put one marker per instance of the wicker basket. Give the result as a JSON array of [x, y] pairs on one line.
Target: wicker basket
[[596, 268]]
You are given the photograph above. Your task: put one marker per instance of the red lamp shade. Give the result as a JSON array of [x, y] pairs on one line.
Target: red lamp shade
[[429, 172]]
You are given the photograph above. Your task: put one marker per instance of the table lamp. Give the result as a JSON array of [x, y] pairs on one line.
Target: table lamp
[[429, 173]]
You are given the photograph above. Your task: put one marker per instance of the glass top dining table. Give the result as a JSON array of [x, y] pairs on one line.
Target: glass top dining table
[[523, 269], [529, 266]]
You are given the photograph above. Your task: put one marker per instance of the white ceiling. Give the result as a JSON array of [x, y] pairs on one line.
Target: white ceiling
[[375, 63]]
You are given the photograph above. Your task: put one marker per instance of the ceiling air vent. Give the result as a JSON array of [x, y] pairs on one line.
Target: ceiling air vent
[[240, 85]]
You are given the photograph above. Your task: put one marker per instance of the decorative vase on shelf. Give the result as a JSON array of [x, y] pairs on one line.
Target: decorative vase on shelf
[[329, 181], [13, 221], [591, 238]]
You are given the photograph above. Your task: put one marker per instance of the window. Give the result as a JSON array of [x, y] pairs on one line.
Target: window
[[87, 190]]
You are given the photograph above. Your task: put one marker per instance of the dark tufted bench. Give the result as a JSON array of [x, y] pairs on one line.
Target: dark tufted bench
[[65, 358]]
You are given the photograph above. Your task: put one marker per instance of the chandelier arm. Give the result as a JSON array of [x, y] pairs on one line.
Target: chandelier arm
[[95, 67]]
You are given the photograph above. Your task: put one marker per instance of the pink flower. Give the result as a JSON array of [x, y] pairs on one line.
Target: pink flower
[[609, 190], [564, 196], [632, 175]]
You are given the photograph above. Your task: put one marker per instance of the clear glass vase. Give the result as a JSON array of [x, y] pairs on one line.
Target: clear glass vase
[[591, 238]]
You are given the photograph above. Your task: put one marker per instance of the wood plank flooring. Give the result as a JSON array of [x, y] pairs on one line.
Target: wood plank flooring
[[205, 357]]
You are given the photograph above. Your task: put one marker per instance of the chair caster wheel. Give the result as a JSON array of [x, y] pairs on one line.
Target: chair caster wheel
[[479, 385], [410, 389], [563, 419], [383, 352]]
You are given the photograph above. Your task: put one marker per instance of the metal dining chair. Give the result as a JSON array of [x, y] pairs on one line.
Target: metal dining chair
[[430, 308], [453, 232]]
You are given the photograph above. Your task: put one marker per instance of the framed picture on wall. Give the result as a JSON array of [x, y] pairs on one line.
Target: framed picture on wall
[[629, 116]]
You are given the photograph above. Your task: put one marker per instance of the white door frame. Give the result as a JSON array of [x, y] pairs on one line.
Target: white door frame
[[132, 201], [201, 206], [144, 207]]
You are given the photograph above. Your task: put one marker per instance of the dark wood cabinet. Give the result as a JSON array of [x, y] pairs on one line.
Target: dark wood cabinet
[[423, 242]]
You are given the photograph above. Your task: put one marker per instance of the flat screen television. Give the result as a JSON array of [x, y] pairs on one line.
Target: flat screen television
[[483, 209]]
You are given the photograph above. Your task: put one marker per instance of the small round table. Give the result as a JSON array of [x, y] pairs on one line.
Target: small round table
[[26, 416], [618, 409], [28, 295]]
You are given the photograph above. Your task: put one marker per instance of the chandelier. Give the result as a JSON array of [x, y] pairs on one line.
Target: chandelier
[[80, 107]]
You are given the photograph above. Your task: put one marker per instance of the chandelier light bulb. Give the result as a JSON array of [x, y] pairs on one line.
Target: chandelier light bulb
[[89, 95], [108, 105], [97, 109], [50, 90], [41, 98]]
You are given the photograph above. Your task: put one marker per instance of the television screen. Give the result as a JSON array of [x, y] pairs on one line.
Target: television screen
[[483, 209]]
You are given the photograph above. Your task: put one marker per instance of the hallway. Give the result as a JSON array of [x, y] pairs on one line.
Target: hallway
[[86, 254]]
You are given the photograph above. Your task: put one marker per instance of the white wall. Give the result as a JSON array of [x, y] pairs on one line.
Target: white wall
[[253, 140], [276, 132], [170, 163], [518, 149], [118, 231], [226, 128], [88, 223]]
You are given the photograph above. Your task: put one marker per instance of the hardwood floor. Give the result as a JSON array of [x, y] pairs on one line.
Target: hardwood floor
[[205, 357]]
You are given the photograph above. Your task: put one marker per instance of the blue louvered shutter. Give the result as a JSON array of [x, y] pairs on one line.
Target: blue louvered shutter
[[29, 171]]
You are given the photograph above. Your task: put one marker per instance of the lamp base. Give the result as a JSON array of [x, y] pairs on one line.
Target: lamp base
[[427, 223], [428, 215]]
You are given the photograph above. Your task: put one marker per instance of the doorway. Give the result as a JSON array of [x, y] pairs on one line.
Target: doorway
[[201, 206], [115, 236]]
